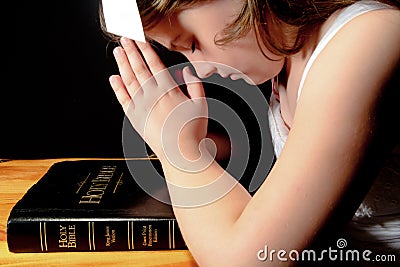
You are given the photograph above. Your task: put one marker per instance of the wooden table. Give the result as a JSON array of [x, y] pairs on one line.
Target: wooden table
[[16, 177]]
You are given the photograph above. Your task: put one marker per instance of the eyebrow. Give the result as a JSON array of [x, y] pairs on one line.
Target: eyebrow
[[172, 44]]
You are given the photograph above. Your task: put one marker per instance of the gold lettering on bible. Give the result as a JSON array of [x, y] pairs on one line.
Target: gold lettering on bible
[[149, 235], [67, 237], [98, 186], [110, 236]]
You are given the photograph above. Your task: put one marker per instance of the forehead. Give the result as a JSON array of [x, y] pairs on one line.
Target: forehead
[[203, 17], [165, 31]]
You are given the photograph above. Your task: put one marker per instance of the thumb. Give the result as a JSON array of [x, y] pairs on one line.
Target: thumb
[[193, 84]]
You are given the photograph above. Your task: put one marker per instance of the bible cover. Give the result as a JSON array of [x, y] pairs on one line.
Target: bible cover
[[92, 205]]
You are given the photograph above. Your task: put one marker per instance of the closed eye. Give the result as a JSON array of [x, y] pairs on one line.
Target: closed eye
[[193, 46], [190, 46]]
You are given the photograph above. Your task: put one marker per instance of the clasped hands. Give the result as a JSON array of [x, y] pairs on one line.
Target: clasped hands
[[172, 124]]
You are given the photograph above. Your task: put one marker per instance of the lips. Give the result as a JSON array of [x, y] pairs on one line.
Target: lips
[[236, 76]]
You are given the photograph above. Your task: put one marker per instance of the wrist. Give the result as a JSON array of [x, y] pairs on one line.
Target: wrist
[[190, 156]]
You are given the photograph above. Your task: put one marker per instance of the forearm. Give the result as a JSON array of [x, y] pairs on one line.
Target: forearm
[[206, 204]]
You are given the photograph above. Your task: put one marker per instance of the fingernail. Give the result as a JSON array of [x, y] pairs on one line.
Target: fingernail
[[117, 51], [188, 75], [124, 40], [112, 79]]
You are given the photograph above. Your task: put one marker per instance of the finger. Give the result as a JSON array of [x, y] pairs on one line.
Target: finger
[[120, 92], [152, 59], [154, 63], [127, 75], [136, 61], [193, 84]]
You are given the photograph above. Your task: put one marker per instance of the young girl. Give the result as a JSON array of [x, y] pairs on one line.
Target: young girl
[[333, 117]]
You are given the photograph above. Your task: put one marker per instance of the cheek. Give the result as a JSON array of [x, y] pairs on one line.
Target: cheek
[[245, 57], [254, 64], [252, 60]]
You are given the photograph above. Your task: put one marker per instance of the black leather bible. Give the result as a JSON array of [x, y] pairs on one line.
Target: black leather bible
[[93, 205]]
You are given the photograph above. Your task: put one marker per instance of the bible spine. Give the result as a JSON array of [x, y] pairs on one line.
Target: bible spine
[[94, 235]]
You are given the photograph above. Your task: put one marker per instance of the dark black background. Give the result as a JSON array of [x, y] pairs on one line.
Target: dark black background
[[55, 97], [56, 100]]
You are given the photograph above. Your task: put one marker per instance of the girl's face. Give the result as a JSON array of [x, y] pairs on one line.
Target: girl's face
[[193, 32]]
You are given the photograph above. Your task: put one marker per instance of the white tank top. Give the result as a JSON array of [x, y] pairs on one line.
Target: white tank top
[[377, 220]]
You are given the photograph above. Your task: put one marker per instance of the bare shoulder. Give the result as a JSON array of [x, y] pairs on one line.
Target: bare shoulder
[[356, 63], [379, 29], [343, 85], [378, 22], [364, 52], [346, 81], [389, 16]]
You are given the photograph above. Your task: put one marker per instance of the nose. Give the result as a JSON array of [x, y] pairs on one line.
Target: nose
[[204, 69]]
